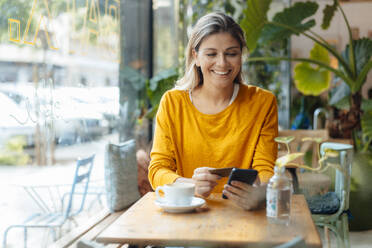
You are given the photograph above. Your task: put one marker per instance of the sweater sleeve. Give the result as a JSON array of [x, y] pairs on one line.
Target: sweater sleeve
[[162, 168], [266, 149]]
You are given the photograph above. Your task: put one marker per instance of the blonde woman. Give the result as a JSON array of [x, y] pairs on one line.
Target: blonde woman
[[211, 119]]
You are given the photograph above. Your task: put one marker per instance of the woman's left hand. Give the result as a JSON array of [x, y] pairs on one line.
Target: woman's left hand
[[244, 195]]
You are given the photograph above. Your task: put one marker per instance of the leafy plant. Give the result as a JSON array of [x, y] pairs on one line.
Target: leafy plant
[[157, 86], [313, 75], [150, 90], [267, 74], [290, 157]]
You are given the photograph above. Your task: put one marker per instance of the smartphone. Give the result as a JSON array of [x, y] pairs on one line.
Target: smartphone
[[244, 175]]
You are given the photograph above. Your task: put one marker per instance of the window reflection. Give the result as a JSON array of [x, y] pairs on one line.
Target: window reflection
[[59, 74], [72, 78]]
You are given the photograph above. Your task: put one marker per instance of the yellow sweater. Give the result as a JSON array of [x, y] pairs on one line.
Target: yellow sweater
[[242, 136]]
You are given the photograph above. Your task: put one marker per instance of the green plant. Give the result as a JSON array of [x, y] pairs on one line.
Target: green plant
[[157, 86], [263, 74], [151, 90], [13, 153], [266, 74], [313, 75], [290, 157]]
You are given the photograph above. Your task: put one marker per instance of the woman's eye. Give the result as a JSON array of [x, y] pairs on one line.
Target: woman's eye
[[211, 54], [231, 54]]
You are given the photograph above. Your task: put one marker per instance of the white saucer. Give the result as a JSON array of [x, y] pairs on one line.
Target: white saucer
[[196, 202]]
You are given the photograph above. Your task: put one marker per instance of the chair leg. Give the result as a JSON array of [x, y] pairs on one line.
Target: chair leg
[[326, 237], [54, 233], [345, 230], [336, 229], [25, 237], [6, 236]]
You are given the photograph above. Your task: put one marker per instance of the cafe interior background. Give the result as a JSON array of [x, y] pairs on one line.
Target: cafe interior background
[[76, 75]]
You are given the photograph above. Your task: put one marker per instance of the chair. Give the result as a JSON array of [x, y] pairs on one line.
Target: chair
[[321, 206], [54, 220], [96, 189], [306, 180]]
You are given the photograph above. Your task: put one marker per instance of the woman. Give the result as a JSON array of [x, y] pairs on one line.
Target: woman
[[212, 120]]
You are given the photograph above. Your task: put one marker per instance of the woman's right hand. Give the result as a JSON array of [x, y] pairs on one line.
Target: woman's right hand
[[204, 181]]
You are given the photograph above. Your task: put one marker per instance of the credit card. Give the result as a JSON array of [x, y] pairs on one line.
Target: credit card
[[222, 172]]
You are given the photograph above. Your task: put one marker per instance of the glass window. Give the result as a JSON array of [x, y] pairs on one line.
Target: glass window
[[71, 75], [60, 67]]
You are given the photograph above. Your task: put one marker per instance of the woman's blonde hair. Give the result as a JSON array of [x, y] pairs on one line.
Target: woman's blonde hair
[[207, 25]]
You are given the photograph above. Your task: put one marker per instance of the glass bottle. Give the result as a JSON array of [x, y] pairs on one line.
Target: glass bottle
[[278, 197]]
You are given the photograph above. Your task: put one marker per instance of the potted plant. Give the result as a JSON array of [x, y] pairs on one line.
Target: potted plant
[[312, 76]]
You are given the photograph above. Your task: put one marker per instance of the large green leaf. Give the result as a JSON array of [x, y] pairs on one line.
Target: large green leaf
[[284, 139], [329, 12], [313, 139], [313, 80], [291, 17], [157, 86], [340, 96], [169, 74], [255, 17], [136, 79], [367, 122], [282, 161], [320, 53], [363, 54]]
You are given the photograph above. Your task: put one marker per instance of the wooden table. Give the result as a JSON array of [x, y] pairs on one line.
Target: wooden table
[[217, 223]]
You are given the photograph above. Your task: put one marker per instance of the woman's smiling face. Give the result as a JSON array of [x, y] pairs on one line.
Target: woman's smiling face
[[220, 59]]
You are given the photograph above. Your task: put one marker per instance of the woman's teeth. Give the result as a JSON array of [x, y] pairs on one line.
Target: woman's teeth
[[221, 72]]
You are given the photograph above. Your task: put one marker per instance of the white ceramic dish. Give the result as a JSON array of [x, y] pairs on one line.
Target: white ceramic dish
[[196, 202]]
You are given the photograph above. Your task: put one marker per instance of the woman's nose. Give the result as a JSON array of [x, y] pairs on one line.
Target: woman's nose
[[221, 60]]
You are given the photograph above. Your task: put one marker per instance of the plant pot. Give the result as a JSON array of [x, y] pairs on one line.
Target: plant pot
[[361, 192]]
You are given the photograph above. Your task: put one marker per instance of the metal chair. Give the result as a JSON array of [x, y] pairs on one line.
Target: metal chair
[[56, 220], [337, 220]]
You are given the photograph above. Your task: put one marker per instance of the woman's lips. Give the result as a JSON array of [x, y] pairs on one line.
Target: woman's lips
[[221, 73]]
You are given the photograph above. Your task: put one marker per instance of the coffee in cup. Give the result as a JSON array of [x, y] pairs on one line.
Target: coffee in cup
[[176, 194]]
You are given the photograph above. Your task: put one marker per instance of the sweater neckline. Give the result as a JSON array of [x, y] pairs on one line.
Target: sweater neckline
[[232, 102]]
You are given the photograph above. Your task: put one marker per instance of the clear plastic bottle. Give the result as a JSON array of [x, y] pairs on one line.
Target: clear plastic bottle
[[278, 197]]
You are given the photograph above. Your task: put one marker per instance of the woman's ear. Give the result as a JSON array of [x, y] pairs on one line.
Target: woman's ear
[[195, 56]]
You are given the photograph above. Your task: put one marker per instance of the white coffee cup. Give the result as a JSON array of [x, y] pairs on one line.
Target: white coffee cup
[[176, 194]]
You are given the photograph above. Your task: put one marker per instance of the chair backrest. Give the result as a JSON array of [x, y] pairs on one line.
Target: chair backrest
[[81, 179], [342, 178], [298, 146]]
